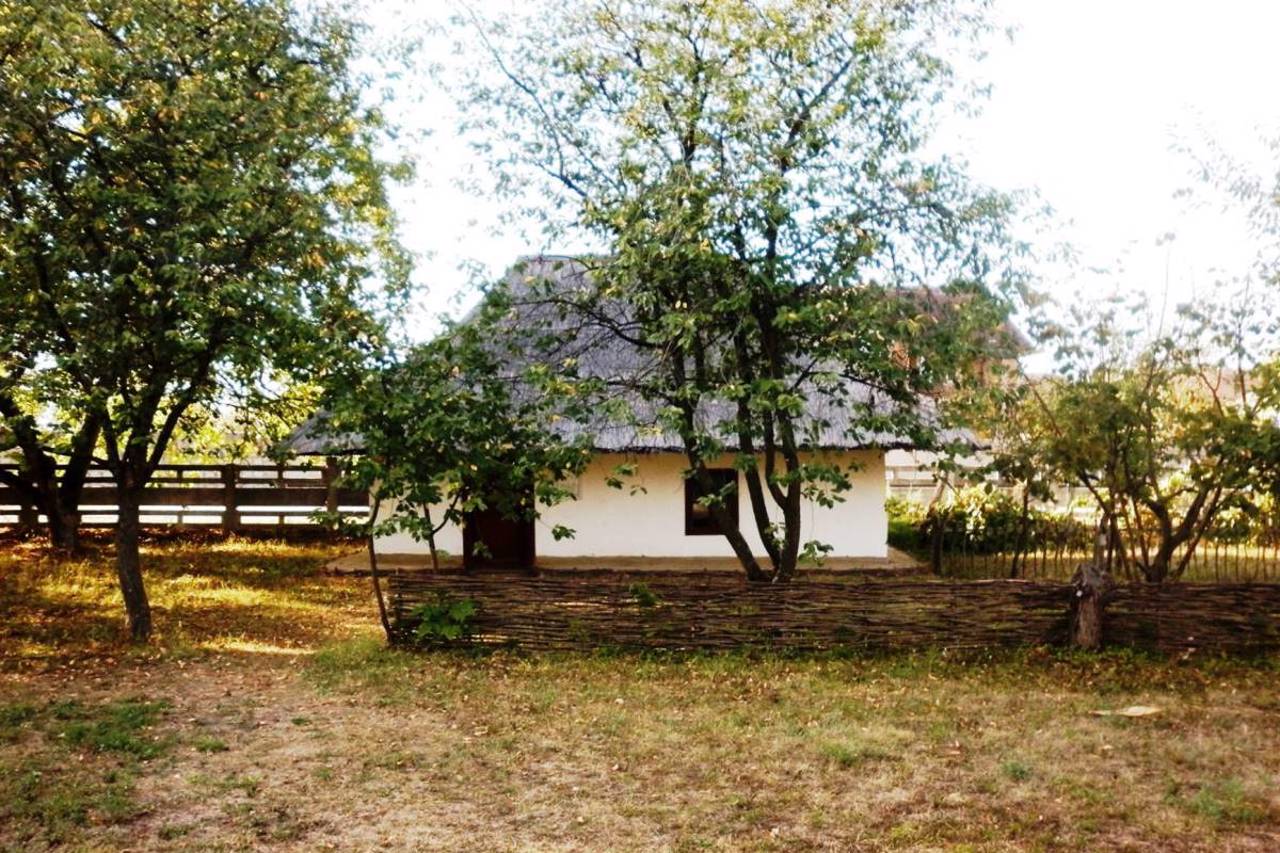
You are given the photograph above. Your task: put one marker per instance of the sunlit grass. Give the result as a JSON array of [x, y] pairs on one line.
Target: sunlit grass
[[928, 750], [235, 595], [228, 644]]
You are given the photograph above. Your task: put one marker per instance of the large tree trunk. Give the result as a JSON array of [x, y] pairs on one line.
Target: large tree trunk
[[64, 527], [1157, 570], [733, 534], [39, 483], [66, 534], [60, 506], [786, 567], [729, 528], [790, 555], [128, 562]]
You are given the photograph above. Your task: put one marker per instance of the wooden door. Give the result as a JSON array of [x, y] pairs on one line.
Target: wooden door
[[507, 543]]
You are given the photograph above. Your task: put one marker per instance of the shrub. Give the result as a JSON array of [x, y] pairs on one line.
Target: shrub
[[906, 524], [983, 520], [443, 620], [643, 595]]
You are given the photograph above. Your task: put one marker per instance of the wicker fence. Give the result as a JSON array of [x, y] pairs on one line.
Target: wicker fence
[[234, 498], [714, 612], [1235, 618]]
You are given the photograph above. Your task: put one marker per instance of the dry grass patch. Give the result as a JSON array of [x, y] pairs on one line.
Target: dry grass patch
[[269, 715]]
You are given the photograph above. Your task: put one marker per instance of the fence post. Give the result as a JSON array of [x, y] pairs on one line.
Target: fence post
[[330, 479], [937, 531], [230, 515], [28, 517], [1092, 587], [280, 484]]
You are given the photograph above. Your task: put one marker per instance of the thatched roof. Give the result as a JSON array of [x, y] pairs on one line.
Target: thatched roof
[[539, 287], [311, 439]]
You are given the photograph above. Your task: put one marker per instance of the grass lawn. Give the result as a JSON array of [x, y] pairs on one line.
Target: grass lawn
[[267, 714]]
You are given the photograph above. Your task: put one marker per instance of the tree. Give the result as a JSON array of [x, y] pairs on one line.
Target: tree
[[755, 174], [456, 425], [189, 202], [1166, 430]]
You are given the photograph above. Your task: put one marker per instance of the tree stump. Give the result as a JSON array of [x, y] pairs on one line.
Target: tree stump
[[1093, 587]]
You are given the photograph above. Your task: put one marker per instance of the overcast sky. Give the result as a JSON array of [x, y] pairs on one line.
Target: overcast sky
[[1088, 100]]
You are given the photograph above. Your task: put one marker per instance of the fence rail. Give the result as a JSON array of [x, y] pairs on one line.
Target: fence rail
[[234, 498], [1051, 546], [1226, 562]]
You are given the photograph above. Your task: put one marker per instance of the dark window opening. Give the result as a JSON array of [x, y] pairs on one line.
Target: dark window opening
[[699, 520]]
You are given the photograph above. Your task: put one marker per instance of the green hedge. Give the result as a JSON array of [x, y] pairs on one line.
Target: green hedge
[[981, 521]]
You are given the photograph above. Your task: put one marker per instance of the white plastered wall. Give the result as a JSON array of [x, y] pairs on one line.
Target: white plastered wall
[[448, 540], [646, 517]]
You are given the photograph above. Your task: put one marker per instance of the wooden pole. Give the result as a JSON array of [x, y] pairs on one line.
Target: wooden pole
[[329, 477], [1092, 588], [230, 515], [373, 572], [28, 518]]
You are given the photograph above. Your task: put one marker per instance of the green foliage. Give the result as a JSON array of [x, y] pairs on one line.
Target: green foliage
[[365, 665], [49, 786], [13, 718], [60, 802], [114, 727], [443, 620], [982, 520], [1251, 519], [643, 595], [1016, 771], [906, 524], [762, 253], [205, 207], [190, 212], [209, 744], [1226, 802], [232, 431], [985, 520]]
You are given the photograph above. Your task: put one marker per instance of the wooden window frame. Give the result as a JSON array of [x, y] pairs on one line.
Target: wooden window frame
[[708, 526]]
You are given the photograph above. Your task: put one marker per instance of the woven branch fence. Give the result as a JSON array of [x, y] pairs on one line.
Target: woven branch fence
[[549, 612], [1241, 618]]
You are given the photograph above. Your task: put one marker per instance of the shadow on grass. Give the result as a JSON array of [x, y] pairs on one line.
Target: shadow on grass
[[205, 595]]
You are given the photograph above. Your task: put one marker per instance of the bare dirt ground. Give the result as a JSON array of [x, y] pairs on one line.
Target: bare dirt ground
[[267, 714]]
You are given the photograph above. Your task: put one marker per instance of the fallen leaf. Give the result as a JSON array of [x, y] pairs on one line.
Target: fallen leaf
[[1131, 711]]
